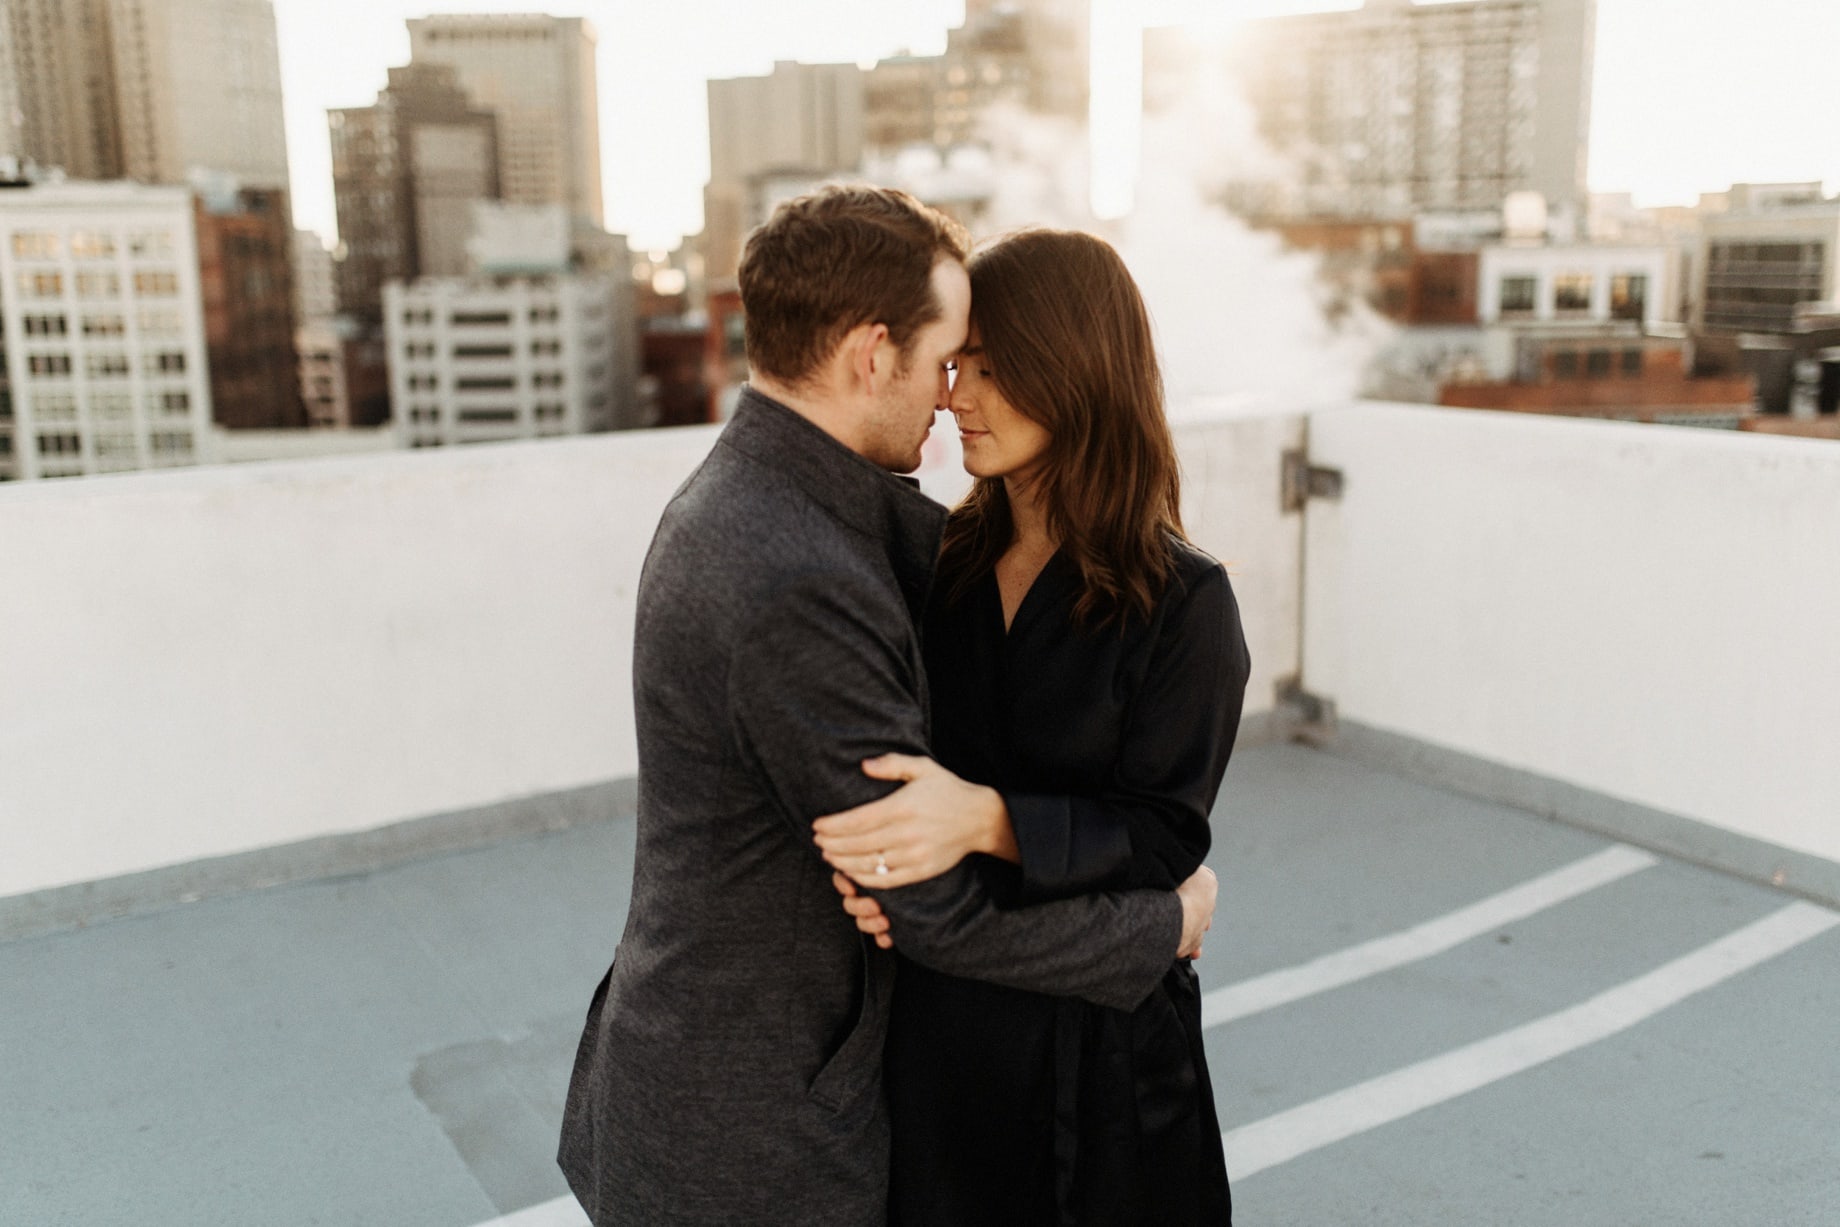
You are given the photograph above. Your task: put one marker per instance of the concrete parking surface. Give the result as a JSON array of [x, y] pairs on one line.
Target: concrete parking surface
[[1424, 1009]]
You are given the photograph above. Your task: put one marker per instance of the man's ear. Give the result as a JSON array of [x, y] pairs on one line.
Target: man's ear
[[869, 367]]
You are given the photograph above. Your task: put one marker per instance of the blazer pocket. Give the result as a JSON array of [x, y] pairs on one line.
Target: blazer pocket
[[857, 1064]]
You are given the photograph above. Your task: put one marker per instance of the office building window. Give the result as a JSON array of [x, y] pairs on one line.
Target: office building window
[[92, 245], [111, 406], [169, 362], [55, 406], [49, 366], [46, 325], [1628, 296], [61, 443], [485, 384], [1572, 292], [156, 283], [479, 319], [41, 285], [160, 322], [1517, 294], [107, 366], [104, 326], [170, 402], [35, 245], [151, 244], [98, 285]]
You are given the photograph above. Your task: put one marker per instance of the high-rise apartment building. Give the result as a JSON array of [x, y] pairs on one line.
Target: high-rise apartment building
[[198, 84], [246, 279], [1397, 107], [1032, 56], [154, 90], [801, 118], [405, 173], [537, 75], [57, 73], [104, 330]]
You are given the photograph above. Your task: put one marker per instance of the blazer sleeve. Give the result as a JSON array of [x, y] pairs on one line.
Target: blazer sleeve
[[821, 682], [1150, 826]]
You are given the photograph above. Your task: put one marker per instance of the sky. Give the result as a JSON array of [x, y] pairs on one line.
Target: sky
[[1690, 95]]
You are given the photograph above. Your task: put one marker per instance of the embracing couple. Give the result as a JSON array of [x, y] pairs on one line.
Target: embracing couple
[[923, 796]]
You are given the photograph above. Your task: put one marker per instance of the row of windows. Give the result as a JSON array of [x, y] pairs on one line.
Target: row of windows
[[105, 365], [424, 317], [1597, 363], [150, 283], [1573, 291], [62, 406], [91, 244]]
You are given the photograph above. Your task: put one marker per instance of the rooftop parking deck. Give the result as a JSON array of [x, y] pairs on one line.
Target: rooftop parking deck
[[392, 1047]]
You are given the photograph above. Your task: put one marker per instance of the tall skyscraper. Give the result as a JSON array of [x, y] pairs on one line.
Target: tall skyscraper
[[803, 119], [198, 84], [405, 172], [536, 73], [1399, 107], [154, 90], [57, 84]]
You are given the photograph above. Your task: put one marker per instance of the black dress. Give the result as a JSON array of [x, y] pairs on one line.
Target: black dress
[[1020, 1109]]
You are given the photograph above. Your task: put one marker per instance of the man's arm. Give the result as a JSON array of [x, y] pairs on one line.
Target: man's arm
[[818, 684]]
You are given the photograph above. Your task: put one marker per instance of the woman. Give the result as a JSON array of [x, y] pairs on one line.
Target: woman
[[1086, 667]]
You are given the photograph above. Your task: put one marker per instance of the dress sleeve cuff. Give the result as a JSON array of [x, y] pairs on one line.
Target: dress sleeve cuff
[[1062, 855]]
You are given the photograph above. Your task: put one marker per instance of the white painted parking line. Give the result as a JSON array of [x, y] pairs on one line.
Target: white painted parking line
[[563, 1212], [1277, 1139], [1421, 941]]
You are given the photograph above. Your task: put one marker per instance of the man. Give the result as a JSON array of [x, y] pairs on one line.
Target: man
[[729, 1072]]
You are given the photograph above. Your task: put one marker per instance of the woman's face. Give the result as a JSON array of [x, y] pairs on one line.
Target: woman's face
[[999, 441]]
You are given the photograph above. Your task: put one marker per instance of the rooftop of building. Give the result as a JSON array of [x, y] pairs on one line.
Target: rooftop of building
[[326, 775]]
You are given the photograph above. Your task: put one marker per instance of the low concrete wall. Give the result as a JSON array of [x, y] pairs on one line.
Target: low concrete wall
[[1648, 613], [208, 662]]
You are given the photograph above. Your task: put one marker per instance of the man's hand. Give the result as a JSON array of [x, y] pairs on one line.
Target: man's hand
[[1198, 896]]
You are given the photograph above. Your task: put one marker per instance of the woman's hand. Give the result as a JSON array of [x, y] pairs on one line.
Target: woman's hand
[[865, 910], [918, 831]]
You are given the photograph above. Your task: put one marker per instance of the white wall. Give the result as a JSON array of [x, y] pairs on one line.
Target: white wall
[[1650, 613], [210, 661]]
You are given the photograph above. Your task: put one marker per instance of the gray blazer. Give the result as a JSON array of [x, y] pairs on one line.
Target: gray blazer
[[730, 1069]]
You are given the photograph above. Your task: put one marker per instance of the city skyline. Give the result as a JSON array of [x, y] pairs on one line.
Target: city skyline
[[1740, 108]]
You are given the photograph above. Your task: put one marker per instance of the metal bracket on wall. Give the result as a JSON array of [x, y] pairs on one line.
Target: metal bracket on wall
[[1303, 481], [1306, 717]]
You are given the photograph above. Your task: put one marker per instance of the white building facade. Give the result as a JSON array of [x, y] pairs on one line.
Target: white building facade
[[1579, 283], [103, 331], [489, 359]]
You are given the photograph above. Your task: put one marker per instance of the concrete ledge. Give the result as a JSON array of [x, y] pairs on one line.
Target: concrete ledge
[[87, 903], [1688, 839]]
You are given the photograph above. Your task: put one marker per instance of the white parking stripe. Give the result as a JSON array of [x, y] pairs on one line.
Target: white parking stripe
[[562, 1212], [1421, 941], [1277, 1139]]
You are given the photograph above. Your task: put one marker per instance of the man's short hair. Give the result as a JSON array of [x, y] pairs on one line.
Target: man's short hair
[[836, 258]]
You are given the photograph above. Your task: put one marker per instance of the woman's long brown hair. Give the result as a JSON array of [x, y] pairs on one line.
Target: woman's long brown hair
[[1067, 340]]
